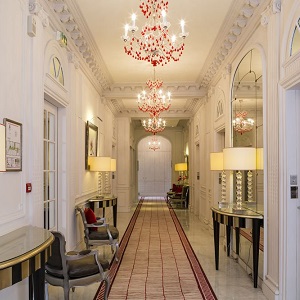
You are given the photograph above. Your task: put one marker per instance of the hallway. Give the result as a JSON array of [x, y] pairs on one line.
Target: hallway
[[230, 282]]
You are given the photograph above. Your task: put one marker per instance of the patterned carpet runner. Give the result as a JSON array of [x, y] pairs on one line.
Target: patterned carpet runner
[[156, 260]]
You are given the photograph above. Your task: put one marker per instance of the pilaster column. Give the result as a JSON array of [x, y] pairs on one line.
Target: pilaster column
[[271, 20]]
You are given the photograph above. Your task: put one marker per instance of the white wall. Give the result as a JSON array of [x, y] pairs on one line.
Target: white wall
[[23, 85]]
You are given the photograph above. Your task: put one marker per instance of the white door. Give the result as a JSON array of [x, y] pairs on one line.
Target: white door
[[291, 235], [50, 166], [154, 168]]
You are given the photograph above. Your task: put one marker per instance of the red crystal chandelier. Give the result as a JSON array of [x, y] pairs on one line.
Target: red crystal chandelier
[[155, 101], [154, 144], [154, 45], [154, 125], [241, 123]]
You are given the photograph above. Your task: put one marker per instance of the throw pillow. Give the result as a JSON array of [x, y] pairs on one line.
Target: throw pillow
[[90, 217]]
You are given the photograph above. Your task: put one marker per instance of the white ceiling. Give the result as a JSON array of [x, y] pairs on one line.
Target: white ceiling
[[213, 26], [106, 20]]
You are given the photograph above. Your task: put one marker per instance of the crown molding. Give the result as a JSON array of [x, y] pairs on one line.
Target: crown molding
[[242, 19], [68, 15]]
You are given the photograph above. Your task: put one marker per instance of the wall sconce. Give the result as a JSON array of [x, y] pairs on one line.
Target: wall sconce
[[2, 148], [238, 159], [61, 38], [99, 164], [216, 164]]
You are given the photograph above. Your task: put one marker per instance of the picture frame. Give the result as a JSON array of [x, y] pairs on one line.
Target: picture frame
[[91, 142], [13, 145]]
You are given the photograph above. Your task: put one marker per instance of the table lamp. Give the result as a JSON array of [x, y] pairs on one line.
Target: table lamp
[[238, 159], [181, 167], [259, 158], [99, 164], [216, 164]]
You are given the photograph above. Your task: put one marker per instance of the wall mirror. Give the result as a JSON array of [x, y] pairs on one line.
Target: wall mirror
[[247, 120]]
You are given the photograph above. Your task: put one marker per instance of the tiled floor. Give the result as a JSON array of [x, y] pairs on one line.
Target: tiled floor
[[230, 282]]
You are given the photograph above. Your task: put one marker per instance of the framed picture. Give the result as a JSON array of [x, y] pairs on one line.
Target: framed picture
[[13, 145], [91, 142]]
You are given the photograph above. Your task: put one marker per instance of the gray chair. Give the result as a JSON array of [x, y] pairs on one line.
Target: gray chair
[[181, 199], [74, 268], [100, 233]]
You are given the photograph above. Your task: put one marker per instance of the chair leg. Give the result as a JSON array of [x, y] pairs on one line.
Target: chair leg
[[46, 291], [106, 282], [116, 253], [66, 293]]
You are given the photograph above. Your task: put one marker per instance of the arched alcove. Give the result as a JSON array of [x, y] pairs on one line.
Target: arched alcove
[[154, 167]]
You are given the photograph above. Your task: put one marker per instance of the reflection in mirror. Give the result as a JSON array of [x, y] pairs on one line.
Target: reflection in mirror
[[295, 45], [247, 116]]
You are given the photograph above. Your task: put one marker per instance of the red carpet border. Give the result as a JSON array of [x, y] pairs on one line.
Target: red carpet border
[[161, 278], [123, 244], [203, 283]]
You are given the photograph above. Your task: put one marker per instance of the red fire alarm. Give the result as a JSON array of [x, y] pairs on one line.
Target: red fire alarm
[[28, 187]]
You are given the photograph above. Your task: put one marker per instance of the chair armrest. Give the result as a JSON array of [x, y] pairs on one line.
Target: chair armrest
[[73, 255], [97, 225]]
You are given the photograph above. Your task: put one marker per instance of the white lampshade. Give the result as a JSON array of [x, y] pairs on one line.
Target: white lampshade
[[2, 148], [113, 164], [181, 167], [216, 161], [99, 163], [239, 158], [260, 158]]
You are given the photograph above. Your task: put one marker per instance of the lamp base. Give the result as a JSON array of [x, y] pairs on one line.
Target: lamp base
[[239, 210], [223, 204]]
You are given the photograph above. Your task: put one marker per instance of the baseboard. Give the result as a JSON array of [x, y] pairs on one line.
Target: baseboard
[[270, 289]]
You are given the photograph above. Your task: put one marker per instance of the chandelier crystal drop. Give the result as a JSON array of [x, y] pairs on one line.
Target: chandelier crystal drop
[[154, 44], [241, 123], [155, 101], [154, 144], [154, 125]]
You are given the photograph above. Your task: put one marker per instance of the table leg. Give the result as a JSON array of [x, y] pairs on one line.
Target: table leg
[[255, 241], [228, 232], [37, 284], [216, 242], [237, 240], [115, 213]]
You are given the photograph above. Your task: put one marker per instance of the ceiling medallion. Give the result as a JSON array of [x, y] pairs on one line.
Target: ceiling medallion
[[154, 44]]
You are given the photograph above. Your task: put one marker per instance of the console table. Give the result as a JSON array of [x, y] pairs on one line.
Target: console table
[[23, 253], [232, 218], [106, 202]]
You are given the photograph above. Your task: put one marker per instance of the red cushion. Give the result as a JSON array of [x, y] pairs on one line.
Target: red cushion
[[90, 217], [177, 188]]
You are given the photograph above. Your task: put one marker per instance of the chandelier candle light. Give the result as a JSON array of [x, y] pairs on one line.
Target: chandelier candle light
[[154, 144], [242, 124], [154, 125], [155, 101], [154, 45]]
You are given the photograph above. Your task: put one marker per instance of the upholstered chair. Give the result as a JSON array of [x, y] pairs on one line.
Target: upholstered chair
[[72, 269]]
